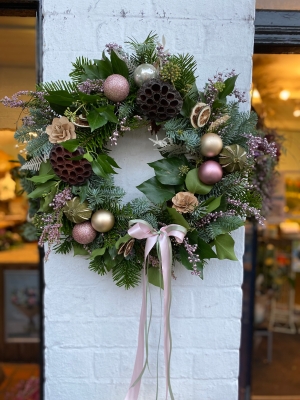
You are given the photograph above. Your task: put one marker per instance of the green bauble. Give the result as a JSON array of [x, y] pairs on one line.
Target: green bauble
[[77, 212], [233, 158]]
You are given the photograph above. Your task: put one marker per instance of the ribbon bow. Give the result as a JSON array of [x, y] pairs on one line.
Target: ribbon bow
[[142, 230]]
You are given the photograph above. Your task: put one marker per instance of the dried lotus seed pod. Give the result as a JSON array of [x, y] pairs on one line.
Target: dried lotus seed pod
[[159, 100], [73, 172], [233, 158]]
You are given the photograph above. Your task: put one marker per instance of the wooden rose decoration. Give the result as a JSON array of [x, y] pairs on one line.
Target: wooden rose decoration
[[184, 202], [60, 130]]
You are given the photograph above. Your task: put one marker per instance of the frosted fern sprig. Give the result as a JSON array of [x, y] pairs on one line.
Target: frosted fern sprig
[[34, 164]]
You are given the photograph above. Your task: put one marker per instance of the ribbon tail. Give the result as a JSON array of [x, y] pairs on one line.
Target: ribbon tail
[[140, 366], [166, 255]]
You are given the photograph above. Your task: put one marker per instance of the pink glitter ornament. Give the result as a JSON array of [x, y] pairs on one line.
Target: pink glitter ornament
[[84, 233], [116, 88], [210, 172]]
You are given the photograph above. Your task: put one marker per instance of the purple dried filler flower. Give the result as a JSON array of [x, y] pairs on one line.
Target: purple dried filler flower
[[52, 222]]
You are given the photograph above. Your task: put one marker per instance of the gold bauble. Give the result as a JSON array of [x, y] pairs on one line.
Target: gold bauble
[[76, 211], [102, 221], [211, 144]]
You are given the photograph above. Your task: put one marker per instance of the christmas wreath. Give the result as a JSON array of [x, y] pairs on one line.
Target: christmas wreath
[[202, 188], [202, 181]]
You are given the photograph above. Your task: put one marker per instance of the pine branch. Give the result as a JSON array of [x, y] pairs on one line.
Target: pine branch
[[78, 69], [27, 185], [231, 184], [64, 247], [98, 139], [145, 51], [58, 85], [219, 227], [102, 195], [28, 232], [39, 146], [98, 265], [151, 219], [240, 123], [140, 206], [188, 66], [127, 273], [125, 110]]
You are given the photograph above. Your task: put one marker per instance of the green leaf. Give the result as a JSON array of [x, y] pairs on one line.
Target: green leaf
[[194, 185], [98, 252], [44, 204], [46, 168], [112, 161], [219, 103], [229, 86], [89, 98], [204, 249], [225, 247], [155, 191], [42, 179], [42, 189], [167, 170], [97, 169], [121, 240], [178, 218], [187, 106], [104, 67], [83, 192], [100, 70], [60, 97], [212, 204], [96, 120], [79, 250], [155, 277], [88, 157], [107, 168], [110, 261], [70, 145], [109, 113], [80, 157], [119, 66]]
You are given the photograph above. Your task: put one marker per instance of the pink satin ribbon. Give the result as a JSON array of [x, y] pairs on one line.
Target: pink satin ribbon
[[142, 230]]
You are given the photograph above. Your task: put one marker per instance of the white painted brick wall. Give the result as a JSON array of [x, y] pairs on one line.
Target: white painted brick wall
[[91, 325]]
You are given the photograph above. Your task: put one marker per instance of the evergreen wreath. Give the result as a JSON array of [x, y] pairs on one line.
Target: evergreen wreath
[[202, 182]]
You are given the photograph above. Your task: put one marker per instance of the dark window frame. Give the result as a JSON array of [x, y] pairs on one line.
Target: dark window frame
[[277, 32]]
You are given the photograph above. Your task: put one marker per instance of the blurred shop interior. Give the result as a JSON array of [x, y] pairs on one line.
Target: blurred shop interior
[[19, 256], [274, 249]]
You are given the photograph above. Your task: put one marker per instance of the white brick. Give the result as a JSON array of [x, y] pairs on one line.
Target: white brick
[[205, 366], [69, 363], [66, 389]]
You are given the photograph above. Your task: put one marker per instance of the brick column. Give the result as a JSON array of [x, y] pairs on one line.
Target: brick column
[[91, 325]]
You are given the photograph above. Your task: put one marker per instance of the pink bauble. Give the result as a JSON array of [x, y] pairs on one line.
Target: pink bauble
[[210, 172], [84, 233], [116, 88]]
